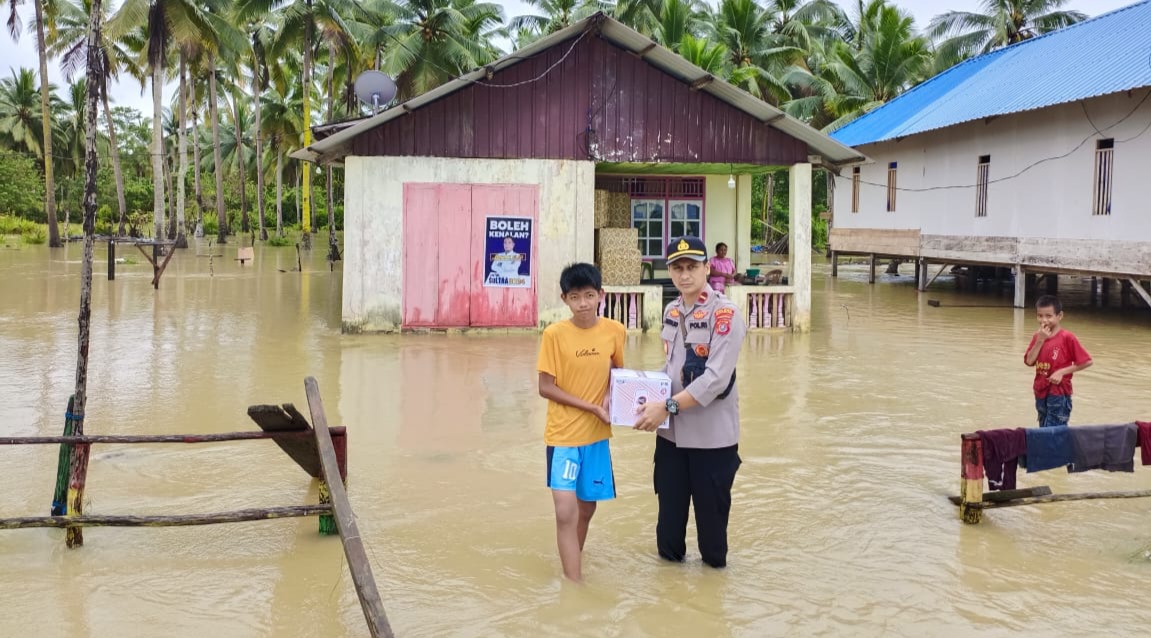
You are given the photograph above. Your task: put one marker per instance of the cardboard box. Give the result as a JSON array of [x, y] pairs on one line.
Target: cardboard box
[[631, 389]]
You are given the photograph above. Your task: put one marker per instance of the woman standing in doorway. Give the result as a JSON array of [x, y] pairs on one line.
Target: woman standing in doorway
[[722, 269]]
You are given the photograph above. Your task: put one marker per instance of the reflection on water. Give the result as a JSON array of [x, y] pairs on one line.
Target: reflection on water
[[840, 524]]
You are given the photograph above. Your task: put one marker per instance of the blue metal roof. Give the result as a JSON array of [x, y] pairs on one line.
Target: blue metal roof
[[1106, 54]]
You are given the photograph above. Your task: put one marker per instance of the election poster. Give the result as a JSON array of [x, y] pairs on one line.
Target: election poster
[[508, 243]]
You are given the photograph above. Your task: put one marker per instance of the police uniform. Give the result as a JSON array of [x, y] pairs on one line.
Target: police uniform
[[696, 459]]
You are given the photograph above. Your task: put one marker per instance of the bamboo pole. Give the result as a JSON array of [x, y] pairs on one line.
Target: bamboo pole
[[238, 516], [358, 564], [79, 461], [336, 431]]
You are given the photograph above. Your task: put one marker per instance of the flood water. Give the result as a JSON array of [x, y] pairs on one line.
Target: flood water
[[840, 524]]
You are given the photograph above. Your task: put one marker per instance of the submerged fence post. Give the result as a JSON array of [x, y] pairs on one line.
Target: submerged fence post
[[971, 483], [64, 465]]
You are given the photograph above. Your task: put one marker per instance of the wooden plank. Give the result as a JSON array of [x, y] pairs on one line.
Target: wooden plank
[[358, 564], [337, 432], [1060, 498], [272, 418], [1007, 495], [260, 514]]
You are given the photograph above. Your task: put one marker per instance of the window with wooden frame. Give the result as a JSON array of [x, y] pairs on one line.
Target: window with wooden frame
[[1104, 168], [661, 208], [855, 189], [892, 170], [982, 181]]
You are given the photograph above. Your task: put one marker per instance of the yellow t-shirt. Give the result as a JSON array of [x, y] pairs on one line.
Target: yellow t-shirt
[[581, 360]]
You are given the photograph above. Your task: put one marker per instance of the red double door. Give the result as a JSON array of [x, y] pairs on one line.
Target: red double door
[[445, 256]]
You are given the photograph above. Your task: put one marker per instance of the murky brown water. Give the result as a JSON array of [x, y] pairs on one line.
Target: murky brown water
[[840, 525]]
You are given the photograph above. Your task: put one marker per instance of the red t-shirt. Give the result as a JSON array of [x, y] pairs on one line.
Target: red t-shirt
[[1058, 352]]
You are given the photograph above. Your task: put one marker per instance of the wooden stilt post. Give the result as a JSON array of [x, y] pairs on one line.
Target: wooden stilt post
[[111, 259], [871, 270], [1094, 291], [1052, 283], [1124, 293], [156, 265], [971, 479], [834, 264], [921, 274]]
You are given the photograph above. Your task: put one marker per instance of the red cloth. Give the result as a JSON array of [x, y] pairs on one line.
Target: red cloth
[[1145, 441], [1058, 352], [1001, 452]]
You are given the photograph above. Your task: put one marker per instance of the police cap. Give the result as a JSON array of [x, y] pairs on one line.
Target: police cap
[[686, 247]]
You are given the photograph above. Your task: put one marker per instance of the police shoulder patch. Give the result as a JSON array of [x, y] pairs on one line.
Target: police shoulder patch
[[724, 313], [723, 326]]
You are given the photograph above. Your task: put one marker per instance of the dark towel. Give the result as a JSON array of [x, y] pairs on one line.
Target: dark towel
[[1103, 447], [1145, 440], [1001, 452], [1047, 448]]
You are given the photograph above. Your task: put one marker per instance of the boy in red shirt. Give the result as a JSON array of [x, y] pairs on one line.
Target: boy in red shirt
[[1056, 355]]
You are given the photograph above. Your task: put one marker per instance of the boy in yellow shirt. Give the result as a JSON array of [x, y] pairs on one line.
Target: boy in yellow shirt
[[575, 362]]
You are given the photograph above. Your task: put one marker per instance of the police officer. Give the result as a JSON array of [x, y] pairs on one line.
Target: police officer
[[697, 457]]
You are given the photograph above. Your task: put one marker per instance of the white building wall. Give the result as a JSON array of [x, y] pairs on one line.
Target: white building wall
[[1050, 200], [373, 226]]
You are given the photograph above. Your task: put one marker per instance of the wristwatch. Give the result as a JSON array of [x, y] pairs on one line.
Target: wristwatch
[[672, 406]]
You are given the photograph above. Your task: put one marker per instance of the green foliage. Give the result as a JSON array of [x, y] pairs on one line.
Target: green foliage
[[12, 225], [21, 186], [280, 242], [38, 236]]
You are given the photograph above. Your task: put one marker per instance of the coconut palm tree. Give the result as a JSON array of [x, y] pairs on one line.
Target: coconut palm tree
[[757, 54], [1002, 23], [20, 113], [556, 15], [164, 21], [283, 123], [438, 40], [677, 20], [69, 44], [847, 83], [45, 17]]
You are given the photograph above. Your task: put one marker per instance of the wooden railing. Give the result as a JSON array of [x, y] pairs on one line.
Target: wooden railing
[[768, 307], [624, 307]]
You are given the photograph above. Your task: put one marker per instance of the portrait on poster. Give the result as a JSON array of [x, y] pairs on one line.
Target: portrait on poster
[[508, 243]]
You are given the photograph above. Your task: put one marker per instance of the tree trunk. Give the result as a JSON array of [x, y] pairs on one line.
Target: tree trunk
[[306, 189], [157, 152], [257, 90], [214, 111], [170, 208], [333, 245], [115, 151], [245, 227], [182, 173], [46, 126], [199, 191], [79, 460], [279, 191]]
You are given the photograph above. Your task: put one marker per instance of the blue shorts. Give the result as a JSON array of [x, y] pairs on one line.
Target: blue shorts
[[1054, 410], [586, 470]]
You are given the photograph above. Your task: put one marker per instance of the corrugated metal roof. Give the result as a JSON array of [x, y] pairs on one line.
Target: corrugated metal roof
[[832, 151], [1106, 54]]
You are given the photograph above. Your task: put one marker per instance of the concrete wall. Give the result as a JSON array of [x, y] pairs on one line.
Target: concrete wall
[[1051, 200], [373, 226], [727, 217]]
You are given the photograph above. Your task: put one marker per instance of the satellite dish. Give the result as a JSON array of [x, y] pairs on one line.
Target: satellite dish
[[375, 89]]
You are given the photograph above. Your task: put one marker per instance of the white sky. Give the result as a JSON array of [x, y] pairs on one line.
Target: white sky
[[129, 93]]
